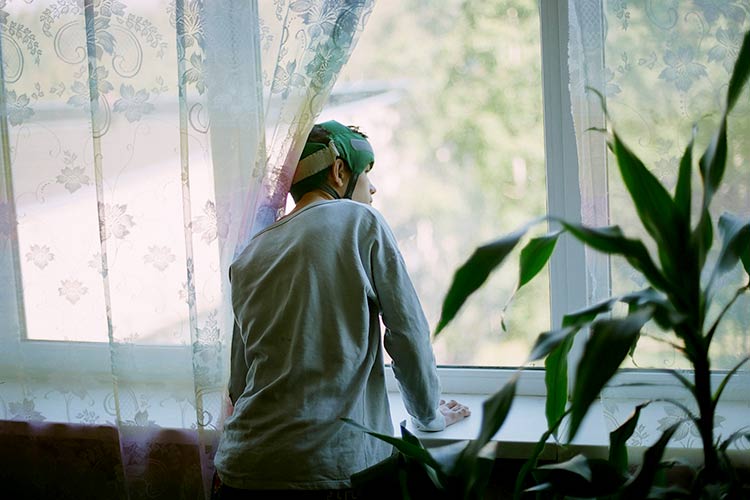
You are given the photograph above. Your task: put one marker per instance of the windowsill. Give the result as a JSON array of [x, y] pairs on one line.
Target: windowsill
[[526, 423], [517, 437]]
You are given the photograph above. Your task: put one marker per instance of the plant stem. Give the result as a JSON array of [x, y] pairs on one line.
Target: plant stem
[[703, 396]]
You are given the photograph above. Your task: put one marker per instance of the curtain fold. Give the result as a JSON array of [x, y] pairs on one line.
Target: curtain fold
[[310, 48], [143, 143]]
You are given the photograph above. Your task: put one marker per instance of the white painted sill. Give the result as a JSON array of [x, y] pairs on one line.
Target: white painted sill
[[526, 421]]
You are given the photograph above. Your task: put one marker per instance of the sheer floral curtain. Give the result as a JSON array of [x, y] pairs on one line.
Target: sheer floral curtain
[[143, 143], [662, 66]]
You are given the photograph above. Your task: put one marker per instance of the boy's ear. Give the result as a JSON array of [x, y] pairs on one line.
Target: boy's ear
[[338, 173]]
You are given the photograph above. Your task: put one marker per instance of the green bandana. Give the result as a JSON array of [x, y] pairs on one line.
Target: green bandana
[[352, 147]]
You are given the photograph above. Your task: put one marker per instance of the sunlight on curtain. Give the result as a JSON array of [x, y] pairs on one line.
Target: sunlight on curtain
[[143, 143], [662, 67]]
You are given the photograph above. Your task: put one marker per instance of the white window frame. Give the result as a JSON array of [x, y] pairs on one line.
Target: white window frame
[[568, 265], [568, 286], [153, 362]]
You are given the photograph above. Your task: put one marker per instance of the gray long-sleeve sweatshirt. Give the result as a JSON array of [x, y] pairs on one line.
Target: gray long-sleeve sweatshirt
[[308, 294]]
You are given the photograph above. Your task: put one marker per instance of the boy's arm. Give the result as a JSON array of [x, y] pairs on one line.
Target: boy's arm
[[407, 334]]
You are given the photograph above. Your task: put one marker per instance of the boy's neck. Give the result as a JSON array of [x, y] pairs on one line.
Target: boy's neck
[[309, 198]]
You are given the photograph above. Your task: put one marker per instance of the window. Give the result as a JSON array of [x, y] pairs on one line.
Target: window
[[466, 103], [451, 97], [452, 94], [683, 55], [133, 169]]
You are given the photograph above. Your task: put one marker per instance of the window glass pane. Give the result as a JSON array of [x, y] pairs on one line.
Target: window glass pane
[[52, 179], [667, 67], [450, 95], [131, 175]]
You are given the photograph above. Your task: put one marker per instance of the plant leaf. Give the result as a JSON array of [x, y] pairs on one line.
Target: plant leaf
[[581, 477], [688, 278], [683, 190], [655, 207], [702, 237], [535, 255], [736, 242], [683, 380], [610, 240], [437, 476], [538, 488], [665, 314], [602, 102], [405, 446], [408, 436], [478, 479], [403, 482], [618, 438], [734, 437], [667, 492], [556, 381], [640, 484], [448, 456], [712, 166], [713, 162], [547, 342], [725, 380], [604, 352], [531, 462], [495, 411], [689, 414], [578, 465], [588, 314], [740, 73], [556, 364], [474, 272]]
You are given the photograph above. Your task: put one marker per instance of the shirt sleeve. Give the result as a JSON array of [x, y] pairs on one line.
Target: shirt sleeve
[[407, 334]]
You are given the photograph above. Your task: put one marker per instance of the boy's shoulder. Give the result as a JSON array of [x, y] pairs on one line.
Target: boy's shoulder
[[354, 207], [345, 209], [363, 213]]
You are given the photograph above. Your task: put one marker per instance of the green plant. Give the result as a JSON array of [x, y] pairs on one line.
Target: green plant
[[677, 300]]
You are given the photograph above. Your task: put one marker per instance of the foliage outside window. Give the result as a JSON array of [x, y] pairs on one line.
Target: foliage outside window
[[462, 155], [455, 115]]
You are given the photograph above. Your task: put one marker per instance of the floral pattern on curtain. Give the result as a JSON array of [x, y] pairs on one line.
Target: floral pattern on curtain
[[143, 143], [662, 66]]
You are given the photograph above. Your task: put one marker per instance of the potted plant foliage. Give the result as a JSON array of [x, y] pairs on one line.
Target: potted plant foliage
[[681, 288]]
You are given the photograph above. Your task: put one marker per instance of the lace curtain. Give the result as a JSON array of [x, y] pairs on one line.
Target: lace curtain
[[662, 66], [143, 143]]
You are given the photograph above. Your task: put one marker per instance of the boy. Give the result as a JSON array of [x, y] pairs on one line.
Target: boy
[[308, 294]]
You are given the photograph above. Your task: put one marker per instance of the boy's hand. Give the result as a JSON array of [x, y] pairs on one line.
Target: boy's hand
[[453, 411]]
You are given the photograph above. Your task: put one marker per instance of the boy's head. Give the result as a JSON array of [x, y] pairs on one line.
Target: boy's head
[[327, 143]]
